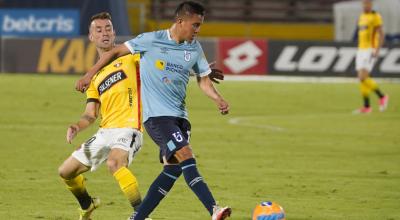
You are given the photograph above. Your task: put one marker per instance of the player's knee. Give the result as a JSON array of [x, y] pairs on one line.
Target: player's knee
[[184, 153], [63, 172], [114, 164]]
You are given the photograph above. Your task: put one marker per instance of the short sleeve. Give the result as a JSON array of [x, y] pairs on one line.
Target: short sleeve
[[92, 94], [378, 20], [140, 43], [201, 67]]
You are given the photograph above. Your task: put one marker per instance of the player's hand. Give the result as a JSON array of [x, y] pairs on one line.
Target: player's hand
[[72, 132], [216, 74], [83, 83], [223, 106], [375, 53]]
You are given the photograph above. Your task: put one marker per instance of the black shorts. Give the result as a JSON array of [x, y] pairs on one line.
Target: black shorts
[[169, 133]]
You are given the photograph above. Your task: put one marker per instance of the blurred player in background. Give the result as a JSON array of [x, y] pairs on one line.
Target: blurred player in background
[[114, 93], [167, 57], [370, 40]]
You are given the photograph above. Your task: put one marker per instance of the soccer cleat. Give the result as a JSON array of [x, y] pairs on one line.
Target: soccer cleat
[[221, 213], [383, 103], [363, 110], [85, 214], [133, 217]]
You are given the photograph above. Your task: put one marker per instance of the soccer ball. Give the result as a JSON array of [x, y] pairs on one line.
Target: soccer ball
[[268, 211]]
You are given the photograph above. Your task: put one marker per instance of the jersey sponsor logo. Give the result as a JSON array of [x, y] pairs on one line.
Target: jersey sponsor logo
[[166, 80], [329, 59], [363, 27], [160, 64], [170, 67], [111, 80]]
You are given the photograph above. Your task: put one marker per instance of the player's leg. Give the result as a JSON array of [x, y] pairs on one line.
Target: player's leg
[[117, 164], [71, 173], [365, 91], [160, 187], [158, 190], [193, 178], [197, 184], [89, 156], [373, 86]]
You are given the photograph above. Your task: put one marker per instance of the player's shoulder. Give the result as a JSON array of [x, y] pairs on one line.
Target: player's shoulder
[[152, 35]]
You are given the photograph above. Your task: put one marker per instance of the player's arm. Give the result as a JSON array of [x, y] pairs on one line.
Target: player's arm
[[88, 117], [215, 75], [105, 59], [208, 88], [378, 31]]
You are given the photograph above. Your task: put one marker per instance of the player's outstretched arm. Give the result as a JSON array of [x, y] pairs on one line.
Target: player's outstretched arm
[[87, 118], [208, 88], [105, 59]]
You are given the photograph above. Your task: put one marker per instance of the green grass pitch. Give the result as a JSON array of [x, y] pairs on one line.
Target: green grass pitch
[[294, 143]]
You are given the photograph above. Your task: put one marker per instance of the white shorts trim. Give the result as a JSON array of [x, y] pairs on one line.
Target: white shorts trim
[[95, 151], [364, 60]]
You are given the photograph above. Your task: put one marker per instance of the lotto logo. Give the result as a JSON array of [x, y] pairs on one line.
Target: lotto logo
[[243, 57], [327, 58]]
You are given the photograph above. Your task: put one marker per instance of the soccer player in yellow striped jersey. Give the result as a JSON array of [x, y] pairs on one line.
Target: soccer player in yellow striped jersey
[[370, 40], [114, 93]]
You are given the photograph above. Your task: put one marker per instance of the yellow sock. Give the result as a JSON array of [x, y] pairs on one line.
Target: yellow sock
[[129, 185], [370, 83], [364, 89], [77, 187]]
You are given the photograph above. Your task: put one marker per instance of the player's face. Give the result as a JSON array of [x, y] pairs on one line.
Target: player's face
[[367, 5], [190, 26], [102, 34]]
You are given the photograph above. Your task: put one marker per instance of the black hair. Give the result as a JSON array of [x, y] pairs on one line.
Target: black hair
[[189, 8]]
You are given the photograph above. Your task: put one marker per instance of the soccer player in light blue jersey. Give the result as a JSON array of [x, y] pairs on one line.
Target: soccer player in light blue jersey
[[167, 57]]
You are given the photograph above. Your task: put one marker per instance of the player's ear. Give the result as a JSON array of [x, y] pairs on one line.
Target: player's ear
[[178, 20], [90, 36]]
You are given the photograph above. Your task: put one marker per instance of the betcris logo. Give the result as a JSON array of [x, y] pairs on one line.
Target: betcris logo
[[39, 22]]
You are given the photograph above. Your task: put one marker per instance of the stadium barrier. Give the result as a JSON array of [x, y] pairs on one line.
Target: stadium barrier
[[234, 56]]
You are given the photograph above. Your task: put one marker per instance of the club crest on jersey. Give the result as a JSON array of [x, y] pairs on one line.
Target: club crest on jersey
[[118, 64], [187, 56], [111, 80]]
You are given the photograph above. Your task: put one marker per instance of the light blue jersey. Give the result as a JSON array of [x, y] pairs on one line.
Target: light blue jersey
[[164, 71]]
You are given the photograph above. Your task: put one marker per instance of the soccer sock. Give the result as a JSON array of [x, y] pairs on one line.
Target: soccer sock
[[365, 91], [370, 83], [158, 190], [366, 101], [129, 186], [196, 183], [373, 86], [77, 187]]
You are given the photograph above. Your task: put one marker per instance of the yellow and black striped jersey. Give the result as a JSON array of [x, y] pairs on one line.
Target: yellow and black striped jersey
[[117, 88], [367, 38]]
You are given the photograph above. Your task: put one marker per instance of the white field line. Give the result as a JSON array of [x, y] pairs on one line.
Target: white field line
[[304, 79], [241, 121]]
